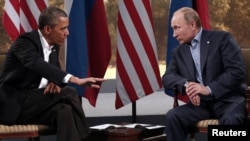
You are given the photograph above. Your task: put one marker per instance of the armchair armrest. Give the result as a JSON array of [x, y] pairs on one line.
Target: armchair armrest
[[179, 96]]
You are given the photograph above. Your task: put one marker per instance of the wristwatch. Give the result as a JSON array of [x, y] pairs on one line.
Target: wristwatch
[[186, 84]]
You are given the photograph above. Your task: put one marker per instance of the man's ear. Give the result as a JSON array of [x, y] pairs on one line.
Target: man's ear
[[193, 24], [47, 29]]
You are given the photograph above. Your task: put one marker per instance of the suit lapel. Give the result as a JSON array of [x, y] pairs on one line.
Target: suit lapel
[[204, 47], [53, 57], [187, 56]]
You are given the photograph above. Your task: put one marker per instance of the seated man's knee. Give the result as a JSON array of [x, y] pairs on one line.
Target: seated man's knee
[[70, 90], [64, 108], [231, 119], [170, 114], [70, 93]]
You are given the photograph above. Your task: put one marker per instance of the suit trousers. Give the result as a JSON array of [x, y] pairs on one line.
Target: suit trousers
[[62, 111]]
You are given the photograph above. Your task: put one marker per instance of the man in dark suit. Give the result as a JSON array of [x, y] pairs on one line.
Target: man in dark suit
[[208, 66], [33, 87]]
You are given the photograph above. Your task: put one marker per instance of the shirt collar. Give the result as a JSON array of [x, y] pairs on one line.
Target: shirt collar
[[45, 44], [197, 37]]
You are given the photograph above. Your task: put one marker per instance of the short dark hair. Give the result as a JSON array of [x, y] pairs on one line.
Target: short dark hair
[[50, 16]]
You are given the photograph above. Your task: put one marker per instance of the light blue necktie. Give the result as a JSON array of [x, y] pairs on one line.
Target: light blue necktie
[[195, 50]]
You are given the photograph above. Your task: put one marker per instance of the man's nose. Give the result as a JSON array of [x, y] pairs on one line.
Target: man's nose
[[67, 32], [174, 34]]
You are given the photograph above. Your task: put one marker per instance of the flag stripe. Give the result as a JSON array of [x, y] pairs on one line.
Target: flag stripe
[[127, 51], [40, 4], [11, 18], [21, 16], [138, 50], [98, 32], [128, 86], [151, 51], [12, 3], [202, 9], [143, 22], [138, 73], [131, 40], [10, 26], [28, 14], [124, 75]]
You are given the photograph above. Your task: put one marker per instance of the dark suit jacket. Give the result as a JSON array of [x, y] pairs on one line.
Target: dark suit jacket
[[23, 69], [222, 67]]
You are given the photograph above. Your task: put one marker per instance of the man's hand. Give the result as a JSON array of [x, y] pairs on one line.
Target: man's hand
[[196, 100], [91, 82], [52, 89], [194, 90]]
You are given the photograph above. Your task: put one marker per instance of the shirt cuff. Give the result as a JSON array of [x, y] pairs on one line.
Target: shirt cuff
[[66, 78], [186, 84], [210, 91]]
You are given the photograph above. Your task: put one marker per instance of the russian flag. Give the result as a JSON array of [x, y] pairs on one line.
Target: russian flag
[[201, 6], [88, 46]]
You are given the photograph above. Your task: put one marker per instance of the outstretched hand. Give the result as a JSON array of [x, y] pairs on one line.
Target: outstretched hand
[[92, 82]]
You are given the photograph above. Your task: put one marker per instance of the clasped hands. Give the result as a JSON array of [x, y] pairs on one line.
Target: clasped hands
[[194, 90]]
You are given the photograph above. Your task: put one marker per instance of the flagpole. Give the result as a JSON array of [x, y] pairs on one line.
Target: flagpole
[[134, 112]]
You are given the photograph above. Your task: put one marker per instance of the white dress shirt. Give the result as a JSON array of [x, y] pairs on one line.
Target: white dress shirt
[[46, 52]]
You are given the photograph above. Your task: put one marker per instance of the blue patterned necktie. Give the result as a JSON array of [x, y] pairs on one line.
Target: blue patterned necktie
[[195, 50]]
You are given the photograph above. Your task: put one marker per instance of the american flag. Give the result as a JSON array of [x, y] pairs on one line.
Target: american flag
[[138, 72], [20, 16]]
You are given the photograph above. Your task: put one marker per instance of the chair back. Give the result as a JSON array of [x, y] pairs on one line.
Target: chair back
[[246, 56]]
